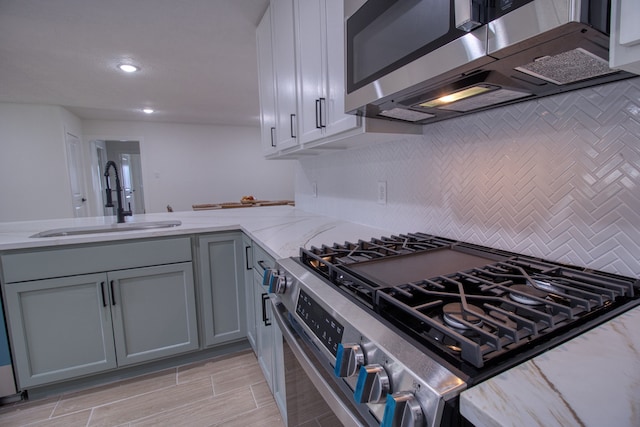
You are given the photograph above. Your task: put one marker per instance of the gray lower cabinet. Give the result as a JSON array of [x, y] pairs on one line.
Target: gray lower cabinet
[[60, 328], [79, 310], [249, 291], [68, 327], [269, 339], [222, 287], [154, 312]]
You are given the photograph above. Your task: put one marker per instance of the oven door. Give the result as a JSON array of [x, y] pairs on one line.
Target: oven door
[[312, 392]]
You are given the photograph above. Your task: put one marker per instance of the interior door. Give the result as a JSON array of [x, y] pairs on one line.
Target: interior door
[[76, 177], [132, 182]]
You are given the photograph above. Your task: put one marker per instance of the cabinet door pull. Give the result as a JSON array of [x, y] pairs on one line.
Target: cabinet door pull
[[323, 104], [113, 296], [273, 138], [261, 264], [104, 301], [265, 298], [318, 115], [246, 257], [292, 118]]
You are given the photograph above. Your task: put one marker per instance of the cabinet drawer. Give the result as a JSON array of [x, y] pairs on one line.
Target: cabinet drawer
[[60, 261], [261, 259]]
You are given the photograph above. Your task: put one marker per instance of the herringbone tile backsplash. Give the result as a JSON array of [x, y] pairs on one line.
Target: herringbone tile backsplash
[[557, 178]]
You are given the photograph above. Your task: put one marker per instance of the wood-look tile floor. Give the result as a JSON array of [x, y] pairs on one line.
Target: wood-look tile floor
[[224, 391]]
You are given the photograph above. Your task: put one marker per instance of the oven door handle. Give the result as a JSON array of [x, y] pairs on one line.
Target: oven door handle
[[341, 411]]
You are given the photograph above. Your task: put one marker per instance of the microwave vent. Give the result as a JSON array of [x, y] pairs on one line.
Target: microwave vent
[[407, 115], [567, 67]]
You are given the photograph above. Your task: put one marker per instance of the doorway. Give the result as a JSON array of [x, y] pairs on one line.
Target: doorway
[[126, 155], [76, 177]]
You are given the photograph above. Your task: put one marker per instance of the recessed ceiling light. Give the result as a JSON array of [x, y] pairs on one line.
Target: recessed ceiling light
[[128, 68], [147, 110]]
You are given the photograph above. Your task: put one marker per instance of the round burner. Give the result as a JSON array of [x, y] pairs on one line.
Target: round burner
[[452, 315], [525, 294]]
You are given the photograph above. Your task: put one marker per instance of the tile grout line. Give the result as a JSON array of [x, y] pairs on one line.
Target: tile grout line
[[53, 411]]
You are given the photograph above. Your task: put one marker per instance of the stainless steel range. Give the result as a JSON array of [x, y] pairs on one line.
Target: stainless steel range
[[394, 329]]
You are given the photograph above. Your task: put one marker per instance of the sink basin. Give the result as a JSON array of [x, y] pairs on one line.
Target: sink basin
[[110, 228]]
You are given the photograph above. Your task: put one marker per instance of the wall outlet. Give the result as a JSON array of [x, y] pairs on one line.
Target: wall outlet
[[314, 189], [382, 192]]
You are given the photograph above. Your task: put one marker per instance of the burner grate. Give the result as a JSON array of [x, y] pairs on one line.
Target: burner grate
[[474, 305], [517, 301]]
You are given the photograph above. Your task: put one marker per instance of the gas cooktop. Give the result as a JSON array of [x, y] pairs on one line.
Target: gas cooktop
[[472, 305]]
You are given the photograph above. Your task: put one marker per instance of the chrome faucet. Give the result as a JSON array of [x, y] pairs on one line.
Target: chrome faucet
[[121, 213]]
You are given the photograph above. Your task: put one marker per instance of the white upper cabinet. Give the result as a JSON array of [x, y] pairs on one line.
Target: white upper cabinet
[[277, 77], [320, 60], [284, 65], [306, 80], [625, 35], [266, 82]]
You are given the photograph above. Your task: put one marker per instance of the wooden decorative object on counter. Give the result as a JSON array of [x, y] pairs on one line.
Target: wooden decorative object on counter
[[243, 204]]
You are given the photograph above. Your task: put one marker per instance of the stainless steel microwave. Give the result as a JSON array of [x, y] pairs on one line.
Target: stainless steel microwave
[[422, 61]]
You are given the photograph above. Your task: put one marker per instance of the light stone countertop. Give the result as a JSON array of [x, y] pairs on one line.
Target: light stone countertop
[[592, 380], [281, 230]]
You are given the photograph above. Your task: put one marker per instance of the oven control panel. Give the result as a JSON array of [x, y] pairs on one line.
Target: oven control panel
[[369, 360], [324, 326]]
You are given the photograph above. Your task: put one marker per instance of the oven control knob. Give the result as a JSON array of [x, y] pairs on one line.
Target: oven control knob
[[348, 359], [373, 384], [266, 277], [277, 283], [402, 410]]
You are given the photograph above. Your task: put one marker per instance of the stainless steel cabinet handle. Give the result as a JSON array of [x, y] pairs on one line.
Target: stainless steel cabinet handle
[[273, 138]]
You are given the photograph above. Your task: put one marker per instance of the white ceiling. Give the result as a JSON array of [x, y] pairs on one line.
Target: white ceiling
[[197, 58]]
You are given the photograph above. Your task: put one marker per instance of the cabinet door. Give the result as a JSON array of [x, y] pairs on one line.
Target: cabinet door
[[279, 385], [320, 62], [282, 20], [154, 312], [264, 330], [310, 58], [221, 272], [266, 80], [336, 119], [248, 290], [60, 328]]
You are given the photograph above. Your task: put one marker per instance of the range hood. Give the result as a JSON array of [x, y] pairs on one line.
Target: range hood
[[542, 48]]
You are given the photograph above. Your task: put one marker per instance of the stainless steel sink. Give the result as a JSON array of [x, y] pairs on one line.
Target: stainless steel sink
[[110, 228]]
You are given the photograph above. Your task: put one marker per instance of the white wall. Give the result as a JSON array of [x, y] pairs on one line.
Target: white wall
[[185, 164], [34, 179], [557, 178]]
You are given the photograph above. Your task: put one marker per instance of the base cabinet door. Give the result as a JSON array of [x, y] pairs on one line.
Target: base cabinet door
[[264, 333], [222, 287], [248, 291], [60, 328], [154, 312]]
